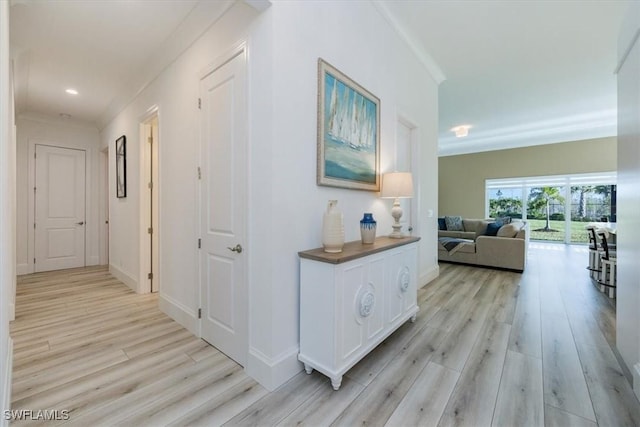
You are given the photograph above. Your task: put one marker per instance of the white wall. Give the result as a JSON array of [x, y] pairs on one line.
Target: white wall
[[355, 38], [285, 204], [175, 93], [628, 298], [7, 211], [35, 129]]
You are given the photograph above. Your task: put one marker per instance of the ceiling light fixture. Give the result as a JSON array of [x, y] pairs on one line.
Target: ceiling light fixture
[[71, 91], [461, 131]]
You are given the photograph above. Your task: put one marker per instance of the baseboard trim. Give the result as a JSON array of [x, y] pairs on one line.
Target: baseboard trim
[[180, 313], [429, 276], [271, 373], [636, 380], [22, 269], [124, 277], [93, 260], [7, 375]]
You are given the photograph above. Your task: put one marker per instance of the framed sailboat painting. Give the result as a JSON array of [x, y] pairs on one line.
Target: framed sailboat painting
[[348, 132]]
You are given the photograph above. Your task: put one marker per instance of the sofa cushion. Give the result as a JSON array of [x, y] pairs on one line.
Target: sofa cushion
[[509, 230], [458, 234], [442, 224], [471, 224], [481, 227], [492, 228], [454, 223]]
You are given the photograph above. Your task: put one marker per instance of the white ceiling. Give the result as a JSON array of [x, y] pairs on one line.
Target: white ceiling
[[107, 50], [519, 72]]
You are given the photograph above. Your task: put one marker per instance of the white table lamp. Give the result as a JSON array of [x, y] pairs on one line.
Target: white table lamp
[[397, 185]]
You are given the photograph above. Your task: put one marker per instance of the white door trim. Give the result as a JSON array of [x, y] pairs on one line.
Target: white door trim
[[415, 169]]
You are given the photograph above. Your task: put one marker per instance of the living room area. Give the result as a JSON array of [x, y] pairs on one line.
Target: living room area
[[545, 193], [563, 324]]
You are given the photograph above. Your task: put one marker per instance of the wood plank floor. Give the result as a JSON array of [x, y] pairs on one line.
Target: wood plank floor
[[489, 348]]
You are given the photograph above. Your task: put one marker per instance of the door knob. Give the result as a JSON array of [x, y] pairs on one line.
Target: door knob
[[80, 223], [237, 248]]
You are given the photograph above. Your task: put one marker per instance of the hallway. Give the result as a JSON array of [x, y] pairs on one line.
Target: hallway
[[489, 347]]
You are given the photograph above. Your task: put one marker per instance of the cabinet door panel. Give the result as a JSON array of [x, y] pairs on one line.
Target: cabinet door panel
[[376, 284], [394, 297], [411, 267], [353, 281]]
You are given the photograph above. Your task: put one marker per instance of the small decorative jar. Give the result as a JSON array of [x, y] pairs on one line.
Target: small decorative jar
[[332, 229], [368, 228]]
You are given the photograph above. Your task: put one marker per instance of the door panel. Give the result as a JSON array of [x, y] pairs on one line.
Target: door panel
[[59, 208], [223, 209], [221, 302]]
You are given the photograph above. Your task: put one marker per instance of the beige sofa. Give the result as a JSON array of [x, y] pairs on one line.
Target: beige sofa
[[508, 249]]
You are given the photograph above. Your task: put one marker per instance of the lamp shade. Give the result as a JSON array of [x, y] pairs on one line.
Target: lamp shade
[[397, 185]]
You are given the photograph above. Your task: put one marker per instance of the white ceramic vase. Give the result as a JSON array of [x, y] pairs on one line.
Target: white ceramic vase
[[332, 229]]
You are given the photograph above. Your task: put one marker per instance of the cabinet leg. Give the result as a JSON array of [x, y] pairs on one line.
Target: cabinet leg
[[413, 318], [308, 369], [336, 382]]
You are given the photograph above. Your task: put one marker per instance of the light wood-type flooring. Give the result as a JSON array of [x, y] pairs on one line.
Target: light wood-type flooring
[[489, 348]]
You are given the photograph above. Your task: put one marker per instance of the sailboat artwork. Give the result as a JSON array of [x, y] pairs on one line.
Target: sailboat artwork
[[348, 132]]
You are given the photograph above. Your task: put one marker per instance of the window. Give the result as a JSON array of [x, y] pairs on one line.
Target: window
[[557, 207]]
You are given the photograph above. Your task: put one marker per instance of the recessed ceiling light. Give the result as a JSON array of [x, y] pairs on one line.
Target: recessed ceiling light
[[461, 131], [71, 91]]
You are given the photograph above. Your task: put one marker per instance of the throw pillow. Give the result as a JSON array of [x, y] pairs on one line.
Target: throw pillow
[[454, 223], [509, 230], [492, 228], [504, 220], [442, 225]]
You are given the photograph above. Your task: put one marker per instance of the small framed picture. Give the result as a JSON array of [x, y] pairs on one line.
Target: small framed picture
[[121, 167]]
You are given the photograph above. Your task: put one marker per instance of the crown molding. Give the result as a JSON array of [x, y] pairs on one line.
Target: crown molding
[[423, 56], [35, 116], [599, 124], [203, 15]]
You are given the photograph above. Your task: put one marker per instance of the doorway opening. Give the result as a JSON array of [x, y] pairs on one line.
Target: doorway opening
[[149, 203], [406, 156]]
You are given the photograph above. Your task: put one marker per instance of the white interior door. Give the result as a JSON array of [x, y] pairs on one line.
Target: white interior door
[[223, 192], [149, 201], [59, 208]]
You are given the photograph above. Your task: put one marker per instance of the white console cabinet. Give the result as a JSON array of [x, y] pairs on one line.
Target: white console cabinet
[[351, 301]]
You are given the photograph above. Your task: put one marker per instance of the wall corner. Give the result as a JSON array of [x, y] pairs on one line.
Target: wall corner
[[271, 373], [430, 275]]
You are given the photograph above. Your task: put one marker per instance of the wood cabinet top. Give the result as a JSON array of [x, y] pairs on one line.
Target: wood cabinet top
[[356, 249]]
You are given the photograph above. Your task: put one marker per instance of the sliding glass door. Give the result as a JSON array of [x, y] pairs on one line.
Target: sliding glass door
[[557, 207]]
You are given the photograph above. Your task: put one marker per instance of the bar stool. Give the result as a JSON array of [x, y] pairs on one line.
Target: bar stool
[[595, 266], [609, 266]]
